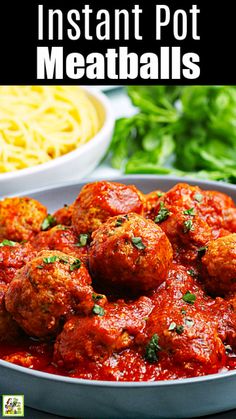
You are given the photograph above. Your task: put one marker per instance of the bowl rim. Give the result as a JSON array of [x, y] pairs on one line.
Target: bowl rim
[[125, 384], [107, 127], [121, 178]]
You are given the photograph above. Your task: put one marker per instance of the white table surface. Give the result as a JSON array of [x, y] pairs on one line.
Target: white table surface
[[122, 107]]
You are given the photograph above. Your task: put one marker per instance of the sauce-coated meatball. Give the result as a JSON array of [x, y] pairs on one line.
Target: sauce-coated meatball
[[219, 265], [50, 287], [180, 320], [12, 258], [131, 252], [64, 215], [64, 239], [96, 337], [100, 200], [20, 218]]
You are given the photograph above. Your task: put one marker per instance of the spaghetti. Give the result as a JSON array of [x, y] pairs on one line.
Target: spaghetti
[[41, 123]]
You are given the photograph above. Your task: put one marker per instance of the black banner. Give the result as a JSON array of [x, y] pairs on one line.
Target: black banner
[[137, 42]]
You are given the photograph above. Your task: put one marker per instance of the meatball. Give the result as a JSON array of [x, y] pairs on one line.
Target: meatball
[[100, 200], [219, 265], [9, 329], [98, 336], [64, 239], [49, 288], [211, 206], [64, 215], [20, 218], [131, 252], [229, 219], [184, 226], [13, 256], [224, 312], [184, 326]]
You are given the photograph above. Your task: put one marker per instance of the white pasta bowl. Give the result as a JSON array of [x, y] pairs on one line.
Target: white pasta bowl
[[71, 166]]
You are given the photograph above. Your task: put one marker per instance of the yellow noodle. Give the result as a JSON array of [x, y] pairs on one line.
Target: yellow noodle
[[41, 123]]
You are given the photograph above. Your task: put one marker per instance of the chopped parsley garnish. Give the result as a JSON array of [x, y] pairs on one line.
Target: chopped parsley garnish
[[172, 326], [96, 297], [163, 213], [121, 220], [160, 194], [152, 348], [192, 273], [137, 242], [98, 310], [50, 259], [7, 243], [179, 329], [198, 197], [61, 227], [39, 266], [228, 349], [190, 211], [55, 258], [202, 250], [189, 322], [189, 298], [48, 222], [188, 226], [176, 328], [75, 265], [83, 240]]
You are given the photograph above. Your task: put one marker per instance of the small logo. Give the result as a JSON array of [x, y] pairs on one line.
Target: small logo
[[12, 405]]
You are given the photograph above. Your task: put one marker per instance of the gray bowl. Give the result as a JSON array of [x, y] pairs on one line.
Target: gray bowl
[[69, 397]]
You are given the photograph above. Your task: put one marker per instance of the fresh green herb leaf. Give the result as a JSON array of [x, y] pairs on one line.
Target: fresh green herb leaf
[[48, 222], [179, 329], [138, 243], [196, 138], [39, 266], [192, 273], [7, 243], [198, 197], [189, 298], [163, 213], [98, 310], [152, 349], [172, 326], [228, 349], [83, 240], [61, 227], [189, 322], [96, 297], [160, 194], [50, 259], [190, 211], [75, 265], [188, 226], [176, 328], [202, 250], [119, 222]]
